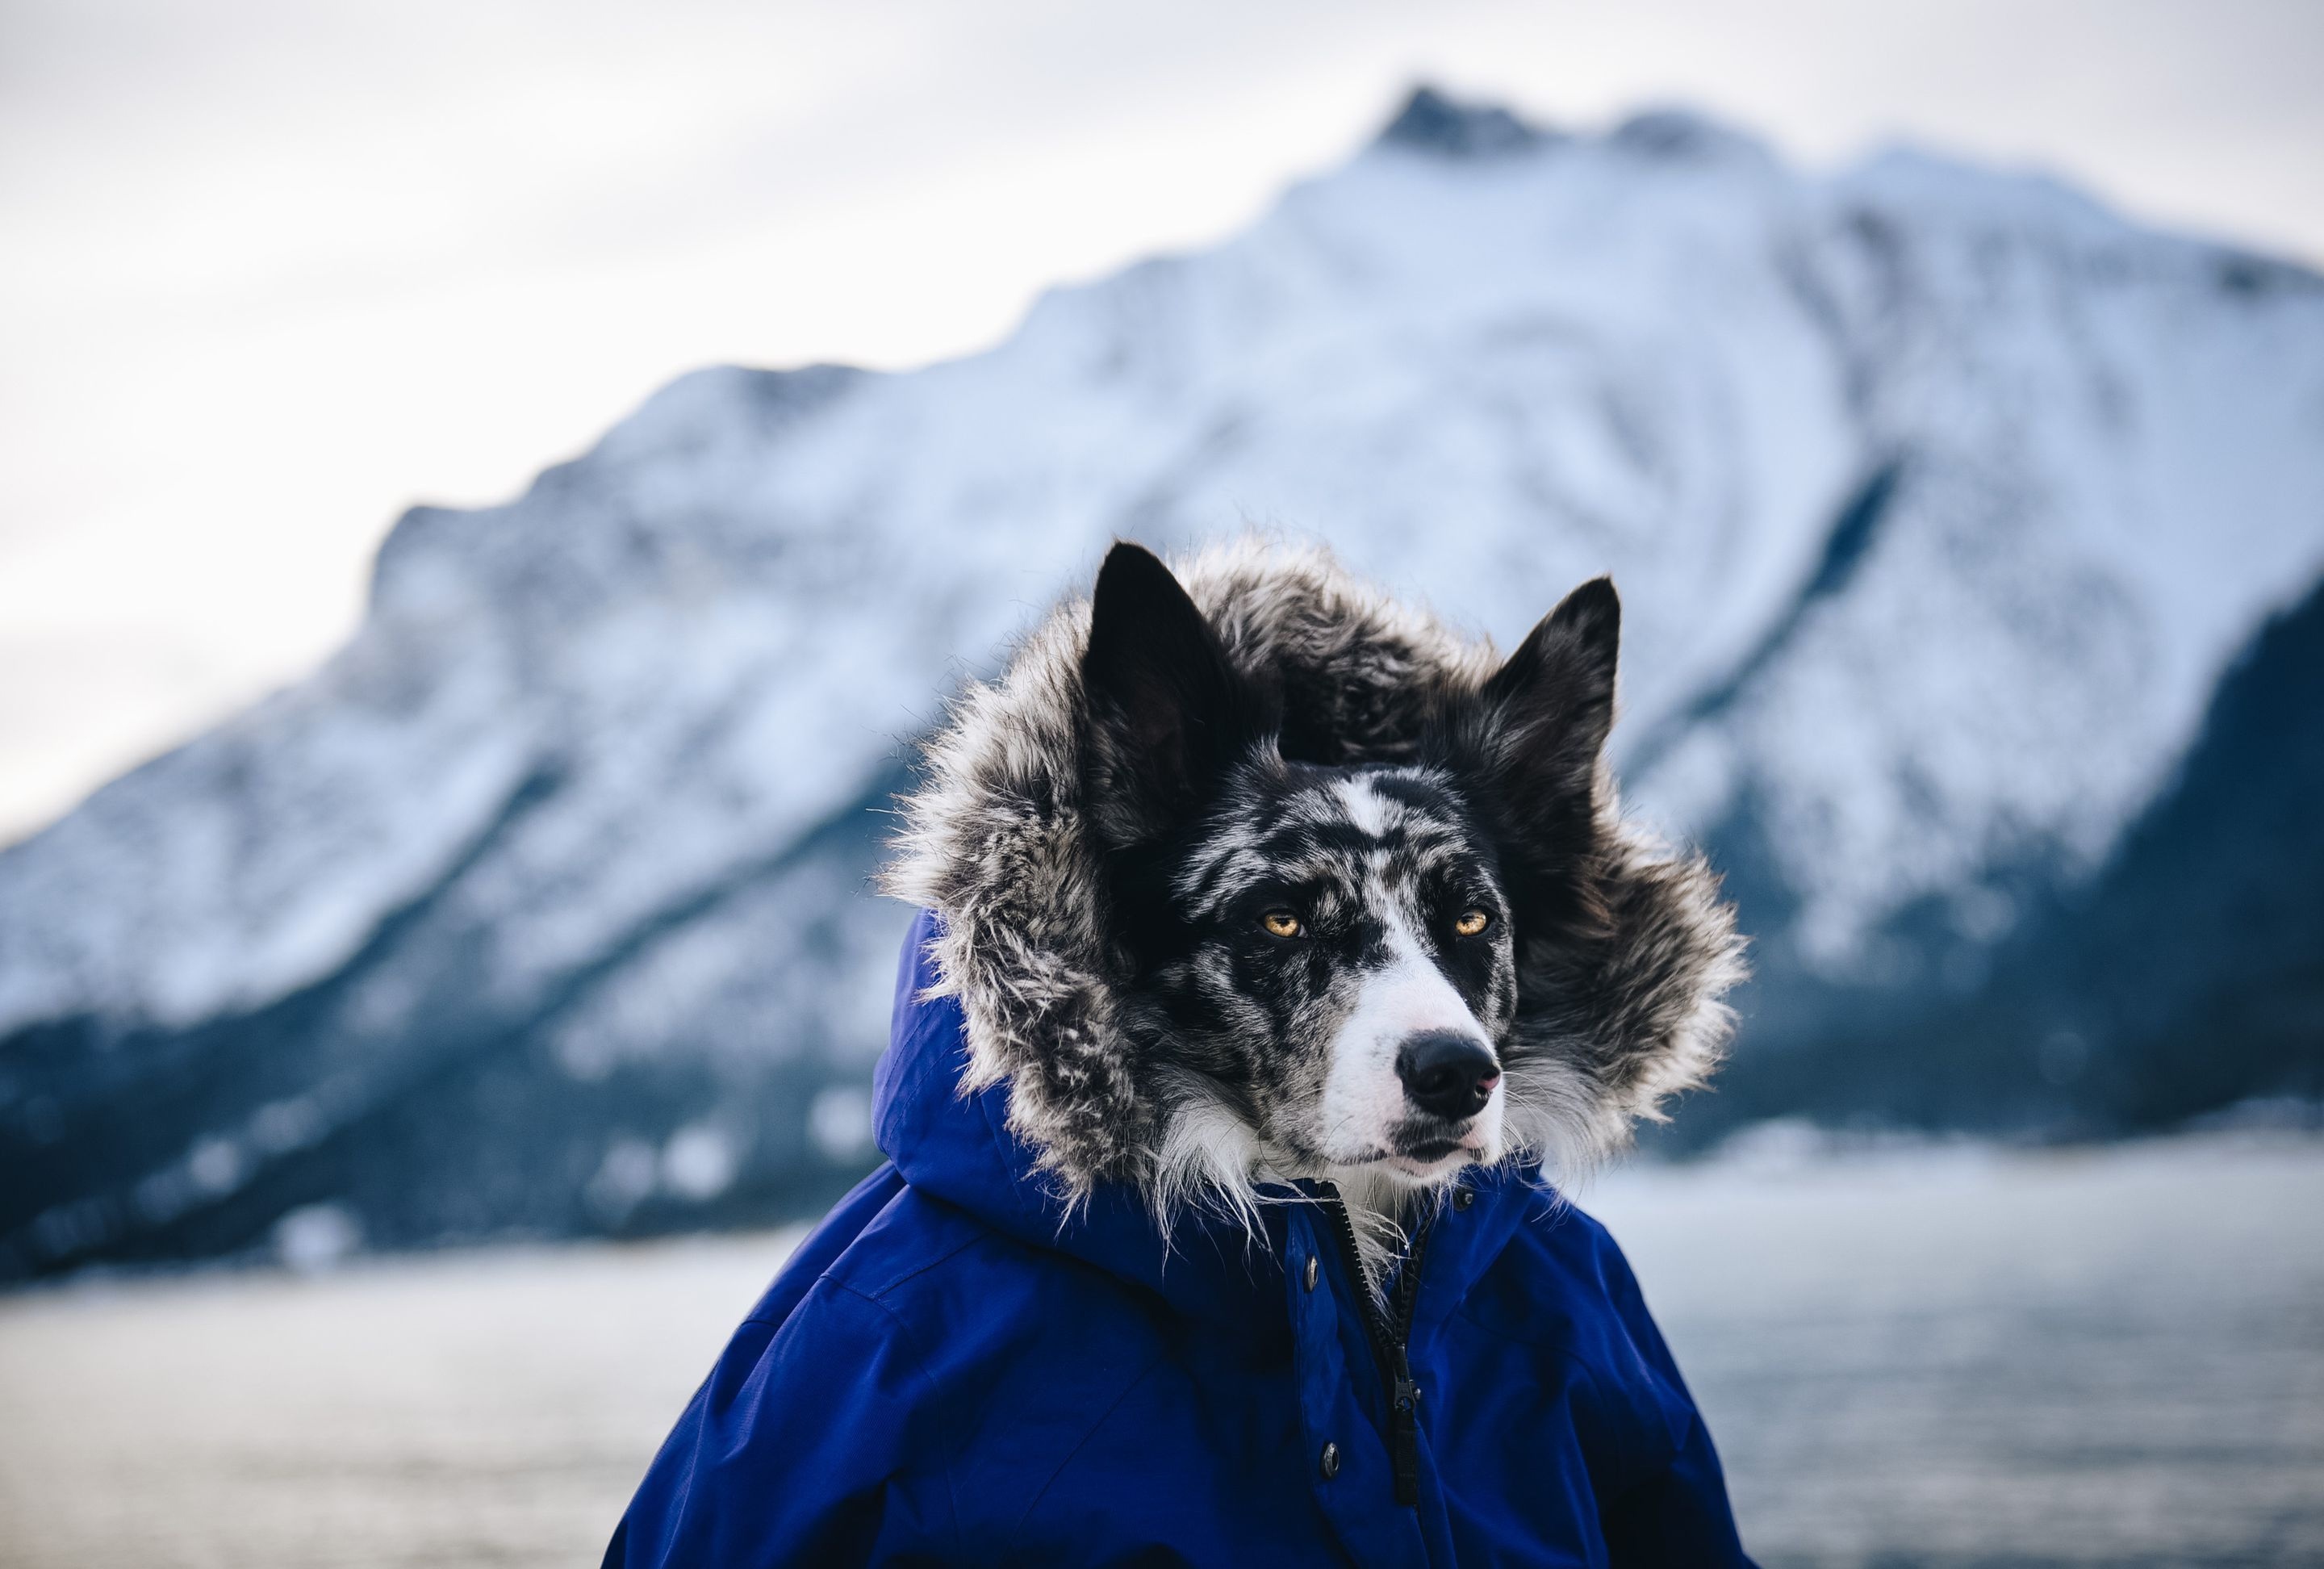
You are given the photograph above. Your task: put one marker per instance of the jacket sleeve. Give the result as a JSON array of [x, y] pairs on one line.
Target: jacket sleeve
[[1675, 1514], [792, 1451], [1679, 1515]]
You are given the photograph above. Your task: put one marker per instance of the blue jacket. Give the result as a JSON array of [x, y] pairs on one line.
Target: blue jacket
[[949, 1371]]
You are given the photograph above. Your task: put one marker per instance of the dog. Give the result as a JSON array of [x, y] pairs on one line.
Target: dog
[[1365, 909]]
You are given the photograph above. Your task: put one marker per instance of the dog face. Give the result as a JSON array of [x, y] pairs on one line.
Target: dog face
[[1333, 949], [1343, 960]]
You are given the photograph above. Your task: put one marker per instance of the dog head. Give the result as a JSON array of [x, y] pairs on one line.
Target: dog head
[[1325, 951]]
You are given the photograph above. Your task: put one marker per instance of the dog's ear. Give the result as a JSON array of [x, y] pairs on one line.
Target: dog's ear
[[1546, 714], [1554, 700], [1167, 711]]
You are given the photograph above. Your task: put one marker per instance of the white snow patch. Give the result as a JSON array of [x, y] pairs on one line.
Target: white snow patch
[[839, 1121], [698, 1162], [317, 1237]]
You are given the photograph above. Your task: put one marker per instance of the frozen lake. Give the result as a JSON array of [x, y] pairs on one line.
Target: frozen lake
[[1933, 1357]]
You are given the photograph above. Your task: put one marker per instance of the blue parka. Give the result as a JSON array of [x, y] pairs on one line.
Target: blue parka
[[952, 1370]]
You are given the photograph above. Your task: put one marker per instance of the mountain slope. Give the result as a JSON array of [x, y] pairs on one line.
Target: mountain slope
[[1939, 500], [2186, 976]]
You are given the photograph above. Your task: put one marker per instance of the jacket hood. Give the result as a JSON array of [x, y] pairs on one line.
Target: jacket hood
[[998, 844]]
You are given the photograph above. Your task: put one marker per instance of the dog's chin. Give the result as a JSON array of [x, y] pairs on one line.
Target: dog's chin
[[1418, 1163], [1435, 1161], [1409, 1157]]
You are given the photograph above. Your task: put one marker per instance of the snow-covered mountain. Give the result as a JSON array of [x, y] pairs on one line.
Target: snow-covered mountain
[[1940, 500]]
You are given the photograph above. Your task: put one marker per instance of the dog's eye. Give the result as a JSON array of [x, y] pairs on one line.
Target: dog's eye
[[1472, 923], [1281, 923]]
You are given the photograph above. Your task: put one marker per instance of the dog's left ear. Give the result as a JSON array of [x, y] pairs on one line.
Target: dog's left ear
[[1547, 712]]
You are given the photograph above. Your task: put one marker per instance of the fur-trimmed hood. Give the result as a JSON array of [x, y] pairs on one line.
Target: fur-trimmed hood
[[999, 843]]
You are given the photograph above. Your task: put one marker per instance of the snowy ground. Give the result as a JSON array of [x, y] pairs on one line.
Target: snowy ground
[[1919, 1357]]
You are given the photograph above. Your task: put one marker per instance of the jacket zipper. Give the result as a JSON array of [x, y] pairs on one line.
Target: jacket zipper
[[1390, 1334]]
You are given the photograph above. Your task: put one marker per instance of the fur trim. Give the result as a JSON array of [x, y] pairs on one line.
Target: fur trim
[[997, 841]]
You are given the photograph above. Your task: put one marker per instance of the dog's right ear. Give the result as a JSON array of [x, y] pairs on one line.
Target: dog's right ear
[[1168, 712]]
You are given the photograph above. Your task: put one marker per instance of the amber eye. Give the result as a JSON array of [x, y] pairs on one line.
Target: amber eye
[[1281, 923], [1472, 923]]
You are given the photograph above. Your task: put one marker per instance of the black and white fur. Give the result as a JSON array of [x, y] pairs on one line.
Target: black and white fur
[[1116, 832]]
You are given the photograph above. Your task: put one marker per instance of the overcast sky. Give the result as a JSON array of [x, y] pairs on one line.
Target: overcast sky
[[271, 270]]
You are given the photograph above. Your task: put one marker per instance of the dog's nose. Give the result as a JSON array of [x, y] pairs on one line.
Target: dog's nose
[[1447, 1073]]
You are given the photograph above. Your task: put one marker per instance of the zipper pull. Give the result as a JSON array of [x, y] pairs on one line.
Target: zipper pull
[[1405, 1435]]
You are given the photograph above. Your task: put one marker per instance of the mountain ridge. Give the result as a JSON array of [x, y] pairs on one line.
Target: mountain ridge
[[1944, 503]]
